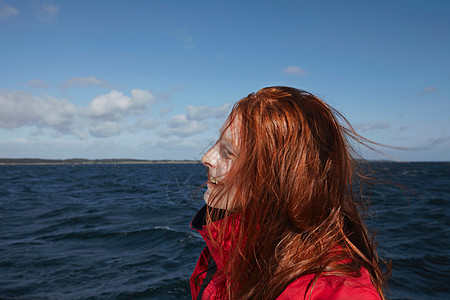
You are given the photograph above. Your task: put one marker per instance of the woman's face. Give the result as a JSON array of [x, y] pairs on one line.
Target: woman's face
[[219, 159]]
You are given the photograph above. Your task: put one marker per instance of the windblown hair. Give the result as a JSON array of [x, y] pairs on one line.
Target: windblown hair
[[294, 208]]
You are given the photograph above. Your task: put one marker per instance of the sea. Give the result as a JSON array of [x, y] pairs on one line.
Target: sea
[[122, 231]]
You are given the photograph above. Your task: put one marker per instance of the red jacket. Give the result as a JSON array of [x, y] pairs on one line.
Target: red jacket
[[326, 287]]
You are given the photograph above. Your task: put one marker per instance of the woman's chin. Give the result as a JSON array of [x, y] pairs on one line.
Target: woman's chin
[[206, 196], [210, 203]]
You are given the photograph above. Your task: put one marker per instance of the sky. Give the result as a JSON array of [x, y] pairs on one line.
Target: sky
[[156, 79]]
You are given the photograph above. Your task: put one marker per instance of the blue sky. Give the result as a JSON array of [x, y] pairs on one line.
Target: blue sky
[[156, 79]]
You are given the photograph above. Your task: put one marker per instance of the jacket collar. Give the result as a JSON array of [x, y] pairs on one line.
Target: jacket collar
[[219, 254], [199, 220]]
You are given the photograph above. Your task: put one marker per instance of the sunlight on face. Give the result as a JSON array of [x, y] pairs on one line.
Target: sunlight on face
[[219, 159]]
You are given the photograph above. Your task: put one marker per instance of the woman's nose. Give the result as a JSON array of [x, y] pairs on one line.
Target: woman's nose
[[208, 159]]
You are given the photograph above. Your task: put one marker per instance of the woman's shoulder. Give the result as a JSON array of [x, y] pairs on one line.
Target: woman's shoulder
[[331, 287]]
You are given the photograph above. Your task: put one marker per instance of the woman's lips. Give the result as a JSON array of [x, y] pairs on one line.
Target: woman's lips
[[213, 180]]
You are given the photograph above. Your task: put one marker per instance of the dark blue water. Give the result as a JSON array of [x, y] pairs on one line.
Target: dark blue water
[[122, 231]]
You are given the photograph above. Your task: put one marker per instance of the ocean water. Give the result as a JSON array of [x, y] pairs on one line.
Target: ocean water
[[122, 231]]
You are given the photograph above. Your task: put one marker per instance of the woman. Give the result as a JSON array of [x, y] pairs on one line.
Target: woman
[[281, 221]]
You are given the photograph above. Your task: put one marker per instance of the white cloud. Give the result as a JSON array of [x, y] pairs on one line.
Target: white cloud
[[294, 70], [428, 90], [107, 115], [165, 110], [145, 123], [105, 129], [179, 125], [7, 10], [194, 122], [142, 98], [183, 144], [38, 84], [20, 108], [362, 127], [86, 82], [45, 12], [116, 106], [182, 34], [50, 9], [203, 112]]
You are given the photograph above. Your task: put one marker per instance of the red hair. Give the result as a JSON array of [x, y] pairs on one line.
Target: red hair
[[295, 212]]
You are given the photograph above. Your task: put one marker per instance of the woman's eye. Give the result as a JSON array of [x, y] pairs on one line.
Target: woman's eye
[[225, 152]]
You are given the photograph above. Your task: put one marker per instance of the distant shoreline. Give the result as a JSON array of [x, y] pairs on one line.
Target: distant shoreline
[[126, 161], [82, 161]]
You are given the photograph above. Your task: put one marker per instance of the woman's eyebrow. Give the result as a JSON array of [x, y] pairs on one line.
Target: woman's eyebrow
[[227, 141]]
